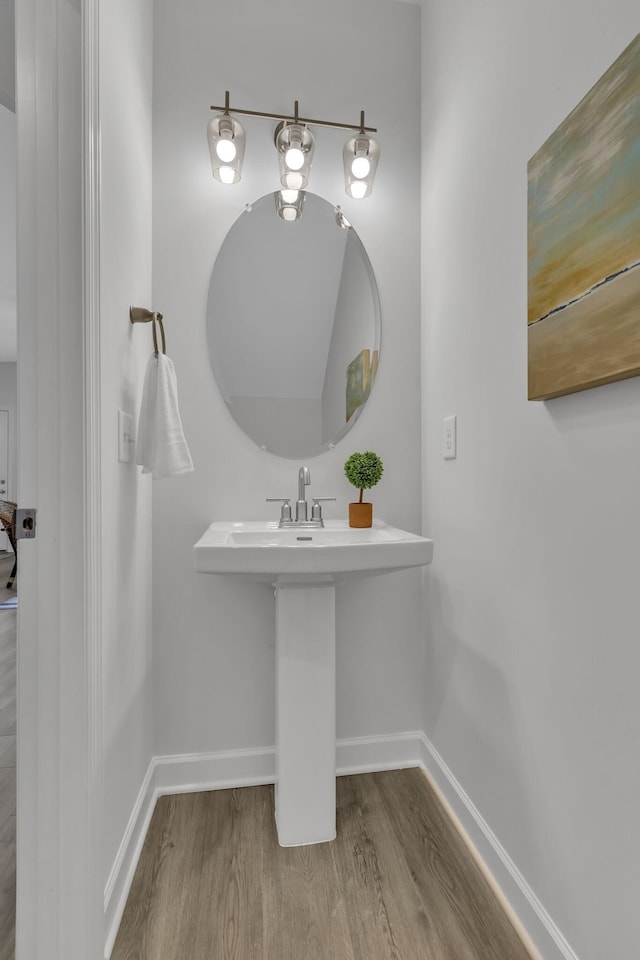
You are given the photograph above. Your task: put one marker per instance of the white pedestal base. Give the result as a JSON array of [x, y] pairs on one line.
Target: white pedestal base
[[305, 789]]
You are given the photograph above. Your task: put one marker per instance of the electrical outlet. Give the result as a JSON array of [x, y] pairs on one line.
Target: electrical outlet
[[449, 438], [125, 436]]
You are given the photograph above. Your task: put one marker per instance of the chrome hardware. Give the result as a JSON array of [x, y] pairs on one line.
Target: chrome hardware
[[302, 507], [316, 509], [304, 479], [285, 509]]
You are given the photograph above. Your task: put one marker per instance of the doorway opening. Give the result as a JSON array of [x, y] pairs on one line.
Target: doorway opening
[[8, 484]]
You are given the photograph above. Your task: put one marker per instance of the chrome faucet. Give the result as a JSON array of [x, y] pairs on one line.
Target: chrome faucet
[[304, 479], [302, 507]]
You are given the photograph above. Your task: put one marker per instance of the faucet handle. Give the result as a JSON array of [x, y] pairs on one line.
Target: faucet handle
[[316, 509], [285, 510]]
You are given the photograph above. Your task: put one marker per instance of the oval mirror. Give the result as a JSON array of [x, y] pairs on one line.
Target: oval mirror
[[293, 325]]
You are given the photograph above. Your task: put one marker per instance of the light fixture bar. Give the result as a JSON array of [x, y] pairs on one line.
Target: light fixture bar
[[296, 119]]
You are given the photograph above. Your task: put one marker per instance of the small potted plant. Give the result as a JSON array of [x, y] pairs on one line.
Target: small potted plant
[[363, 470]]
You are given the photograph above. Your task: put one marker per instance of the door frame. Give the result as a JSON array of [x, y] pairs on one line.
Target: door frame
[[60, 913], [9, 486], [4, 539]]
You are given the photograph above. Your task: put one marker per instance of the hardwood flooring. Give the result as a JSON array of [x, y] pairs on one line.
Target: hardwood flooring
[[212, 883], [398, 883], [7, 768]]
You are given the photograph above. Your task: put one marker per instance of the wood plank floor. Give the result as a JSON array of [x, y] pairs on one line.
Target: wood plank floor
[[398, 883], [7, 768]]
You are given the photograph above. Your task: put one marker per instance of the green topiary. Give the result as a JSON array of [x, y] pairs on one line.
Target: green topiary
[[363, 470]]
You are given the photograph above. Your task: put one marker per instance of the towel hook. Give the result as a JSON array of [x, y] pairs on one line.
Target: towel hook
[[142, 315]]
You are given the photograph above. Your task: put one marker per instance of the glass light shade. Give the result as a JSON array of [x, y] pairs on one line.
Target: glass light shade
[[358, 189], [360, 155], [227, 139], [295, 145], [293, 180], [226, 175], [289, 204]]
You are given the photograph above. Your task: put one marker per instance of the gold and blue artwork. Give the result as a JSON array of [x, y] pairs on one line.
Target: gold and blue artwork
[[584, 240], [361, 373]]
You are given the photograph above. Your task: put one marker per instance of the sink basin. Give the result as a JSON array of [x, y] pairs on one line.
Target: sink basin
[[261, 551]]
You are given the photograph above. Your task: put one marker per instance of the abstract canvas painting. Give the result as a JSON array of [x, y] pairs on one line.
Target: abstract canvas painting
[[584, 240], [361, 373]]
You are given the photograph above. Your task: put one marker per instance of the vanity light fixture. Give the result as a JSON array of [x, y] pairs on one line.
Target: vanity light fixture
[[295, 144], [227, 139], [289, 204], [360, 156]]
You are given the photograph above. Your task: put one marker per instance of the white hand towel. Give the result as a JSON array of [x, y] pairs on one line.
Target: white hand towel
[[161, 448]]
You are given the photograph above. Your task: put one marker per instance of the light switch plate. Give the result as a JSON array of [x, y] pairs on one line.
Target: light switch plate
[[449, 438], [125, 436]]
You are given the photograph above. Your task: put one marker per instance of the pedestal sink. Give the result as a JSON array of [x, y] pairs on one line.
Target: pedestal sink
[[304, 566]]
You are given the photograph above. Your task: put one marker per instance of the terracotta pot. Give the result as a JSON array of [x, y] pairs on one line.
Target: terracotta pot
[[360, 514]]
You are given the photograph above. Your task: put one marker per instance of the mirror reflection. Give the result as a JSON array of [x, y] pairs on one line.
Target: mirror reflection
[[293, 325]]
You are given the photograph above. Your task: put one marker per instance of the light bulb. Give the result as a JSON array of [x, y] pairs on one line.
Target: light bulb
[[294, 181], [226, 174], [360, 167], [289, 196], [226, 150], [294, 158], [358, 189], [289, 213]]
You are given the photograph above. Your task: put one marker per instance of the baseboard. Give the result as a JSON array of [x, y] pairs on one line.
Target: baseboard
[[194, 772], [189, 773], [396, 751], [124, 866], [518, 899]]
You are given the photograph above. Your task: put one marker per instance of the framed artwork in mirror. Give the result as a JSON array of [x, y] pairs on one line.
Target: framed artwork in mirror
[[361, 373]]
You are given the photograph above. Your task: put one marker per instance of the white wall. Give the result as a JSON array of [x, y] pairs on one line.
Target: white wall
[[9, 401], [353, 331], [532, 657], [280, 424], [125, 113], [8, 278], [214, 640], [286, 355], [7, 55]]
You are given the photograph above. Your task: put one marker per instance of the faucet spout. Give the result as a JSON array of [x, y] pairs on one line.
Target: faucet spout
[[304, 479]]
